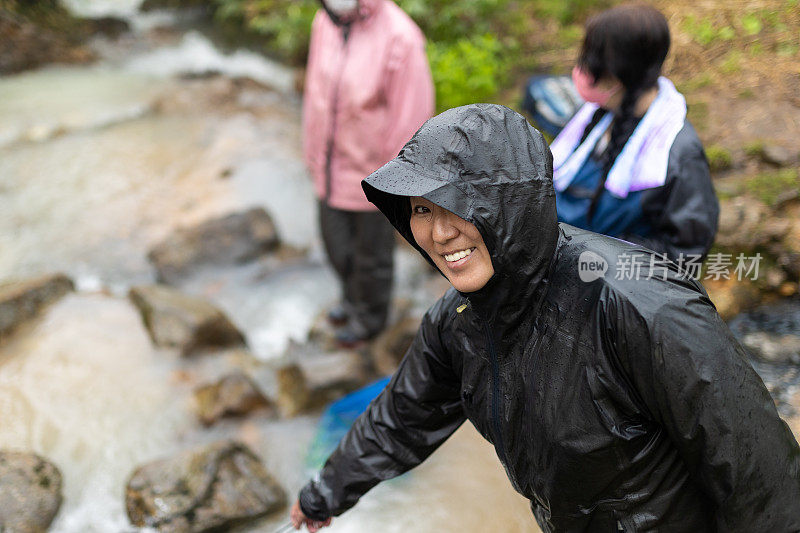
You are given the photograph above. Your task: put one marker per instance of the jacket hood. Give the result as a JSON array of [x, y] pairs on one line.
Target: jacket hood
[[366, 8], [486, 164]]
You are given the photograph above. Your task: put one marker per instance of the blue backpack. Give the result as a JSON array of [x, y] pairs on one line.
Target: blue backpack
[[551, 101]]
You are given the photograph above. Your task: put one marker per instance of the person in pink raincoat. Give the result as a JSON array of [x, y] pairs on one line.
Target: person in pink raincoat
[[368, 88]]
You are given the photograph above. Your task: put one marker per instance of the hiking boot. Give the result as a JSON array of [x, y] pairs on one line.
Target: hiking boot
[[337, 316], [349, 338]]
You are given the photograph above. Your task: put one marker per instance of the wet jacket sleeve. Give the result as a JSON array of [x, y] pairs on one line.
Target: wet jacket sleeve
[[695, 381], [409, 94], [419, 409], [684, 212]]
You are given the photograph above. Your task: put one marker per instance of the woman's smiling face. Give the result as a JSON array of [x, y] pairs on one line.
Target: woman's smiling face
[[455, 246]]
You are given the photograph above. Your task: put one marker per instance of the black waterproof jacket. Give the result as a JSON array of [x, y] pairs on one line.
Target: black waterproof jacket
[[612, 403]]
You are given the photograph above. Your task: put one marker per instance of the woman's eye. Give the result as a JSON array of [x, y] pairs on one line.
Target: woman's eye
[[420, 210]]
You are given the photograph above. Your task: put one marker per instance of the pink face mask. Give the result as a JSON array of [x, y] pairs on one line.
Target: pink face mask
[[585, 85]]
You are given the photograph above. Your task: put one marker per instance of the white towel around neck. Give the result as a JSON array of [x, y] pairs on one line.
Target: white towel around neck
[[642, 163]]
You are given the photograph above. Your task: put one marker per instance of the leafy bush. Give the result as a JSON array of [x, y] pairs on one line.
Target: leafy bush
[[466, 71], [283, 25], [719, 158], [769, 186], [568, 11]]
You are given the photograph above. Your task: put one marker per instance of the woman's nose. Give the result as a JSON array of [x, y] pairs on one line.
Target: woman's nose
[[444, 228]]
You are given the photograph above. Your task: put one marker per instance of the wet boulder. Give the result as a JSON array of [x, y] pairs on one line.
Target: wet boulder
[[150, 5], [330, 375], [317, 377], [111, 27], [391, 345], [740, 224], [777, 155], [294, 396], [731, 296], [30, 492], [235, 238], [22, 300], [233, 395], [210, 488], [177, 320], [771, 332], [774, 347], [27, 45]]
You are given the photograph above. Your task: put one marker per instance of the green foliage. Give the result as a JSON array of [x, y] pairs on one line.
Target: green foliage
[[755, 49], [732, 62], [787, 49], [698, 114], [746, 93], [283, 25], [705, 32], [754, 148], [46, 14], [449, 21], [703, 79], [568, 11], [719, 158], [752, 24], [769, 186], [466, 71]]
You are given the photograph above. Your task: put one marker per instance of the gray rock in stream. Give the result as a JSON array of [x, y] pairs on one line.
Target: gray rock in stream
[[211, 488], [177, 320], [22, 300], [773, 347], [315, 377], [30, 492], [232, 239], [233, 395], [778, 155], [389, 348]]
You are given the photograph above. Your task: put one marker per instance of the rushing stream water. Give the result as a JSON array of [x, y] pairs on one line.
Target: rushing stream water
[[101, 162]]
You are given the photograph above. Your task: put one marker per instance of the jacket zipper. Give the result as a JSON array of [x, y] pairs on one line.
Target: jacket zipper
[[501, 450], [335, 106]]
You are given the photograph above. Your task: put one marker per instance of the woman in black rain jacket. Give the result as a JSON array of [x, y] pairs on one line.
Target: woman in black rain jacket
[[616, 398]]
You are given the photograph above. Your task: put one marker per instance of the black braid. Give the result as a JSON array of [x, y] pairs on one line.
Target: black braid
[[598, 115], [622, 128]]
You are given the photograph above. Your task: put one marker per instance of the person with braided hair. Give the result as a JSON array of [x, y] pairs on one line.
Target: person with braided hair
[[629, 164]]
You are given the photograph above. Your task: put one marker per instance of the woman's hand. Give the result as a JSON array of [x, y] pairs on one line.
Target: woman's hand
[[298, 519]]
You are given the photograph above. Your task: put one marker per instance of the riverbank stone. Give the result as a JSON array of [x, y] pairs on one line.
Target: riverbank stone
[[26, 44], [30, 492], [389, 347], [177, 320], [210, 488], [294, 396], [777, 155], [111, 27], [732, 296], [774, 347], [21, 300], [232, 239], [235, 394]]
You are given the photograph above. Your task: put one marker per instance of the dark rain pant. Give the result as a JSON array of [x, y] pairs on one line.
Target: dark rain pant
[[360, 247]]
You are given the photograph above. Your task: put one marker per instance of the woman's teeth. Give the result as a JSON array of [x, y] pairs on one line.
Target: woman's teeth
[[458, 255]]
